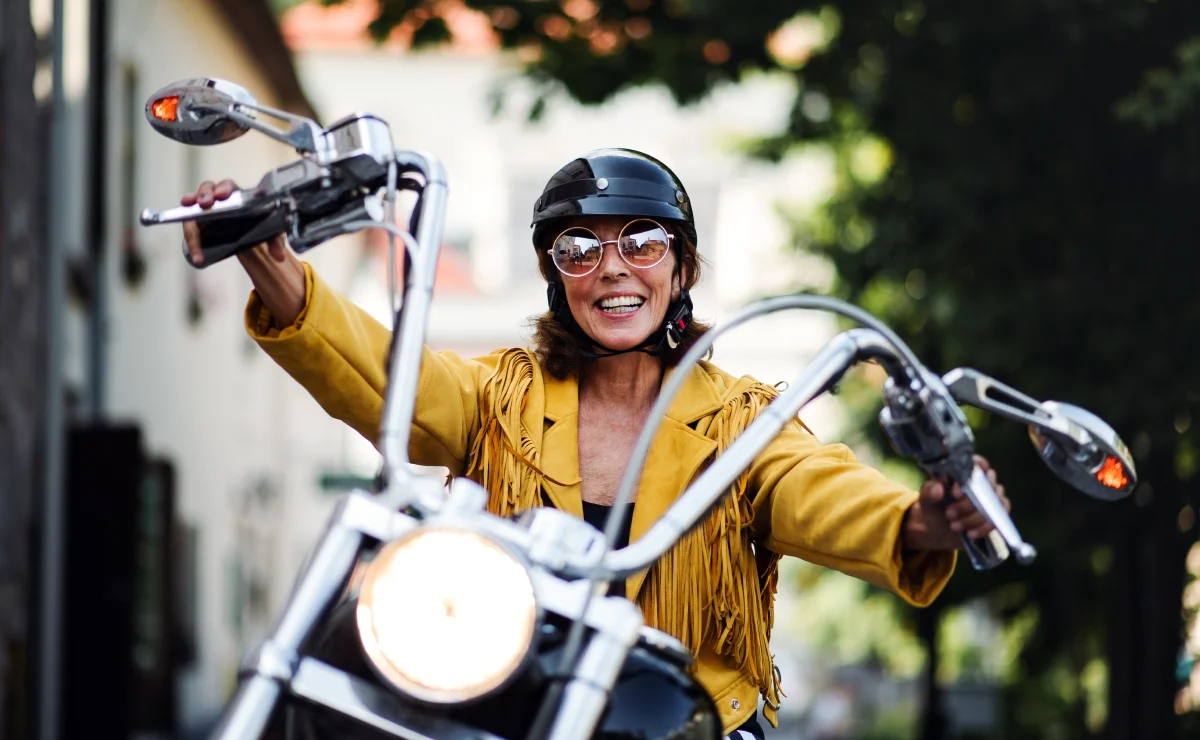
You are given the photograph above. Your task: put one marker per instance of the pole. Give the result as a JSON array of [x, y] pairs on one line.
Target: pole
[[21, 343], [53, 504]]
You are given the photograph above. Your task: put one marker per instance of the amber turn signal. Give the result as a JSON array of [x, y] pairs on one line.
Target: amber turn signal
[[166, 109], [1112, 473]]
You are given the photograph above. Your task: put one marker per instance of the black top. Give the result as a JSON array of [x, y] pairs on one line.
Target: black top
[[597, 516]]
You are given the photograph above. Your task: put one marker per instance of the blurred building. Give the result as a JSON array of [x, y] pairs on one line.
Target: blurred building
[[185, 446]]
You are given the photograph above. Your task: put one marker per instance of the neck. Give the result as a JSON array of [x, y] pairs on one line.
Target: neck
[[631, 379]]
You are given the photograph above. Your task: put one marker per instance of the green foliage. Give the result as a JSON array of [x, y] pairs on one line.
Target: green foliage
[[845, 621]]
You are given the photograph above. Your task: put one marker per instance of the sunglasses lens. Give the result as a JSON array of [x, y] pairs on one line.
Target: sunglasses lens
[[644, 244], [576, 252]]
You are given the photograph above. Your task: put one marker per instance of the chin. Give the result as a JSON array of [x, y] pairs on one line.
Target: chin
[[623, 340]]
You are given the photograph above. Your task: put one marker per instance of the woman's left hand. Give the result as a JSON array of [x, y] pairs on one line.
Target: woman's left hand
[[937, 518]]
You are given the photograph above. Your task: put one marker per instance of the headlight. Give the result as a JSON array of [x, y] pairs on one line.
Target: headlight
[[446, 615]]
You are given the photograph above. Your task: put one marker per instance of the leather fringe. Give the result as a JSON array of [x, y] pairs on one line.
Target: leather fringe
[[713, 588], [725, 587], [503, 458]]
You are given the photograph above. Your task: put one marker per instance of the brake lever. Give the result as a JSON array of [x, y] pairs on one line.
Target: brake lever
[[923, 422], [994, 548], [253, 215]]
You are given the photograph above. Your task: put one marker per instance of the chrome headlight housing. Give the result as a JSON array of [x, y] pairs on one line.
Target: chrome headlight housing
[[446, 615]]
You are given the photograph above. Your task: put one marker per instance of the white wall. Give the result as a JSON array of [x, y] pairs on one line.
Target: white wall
[[205, 397]]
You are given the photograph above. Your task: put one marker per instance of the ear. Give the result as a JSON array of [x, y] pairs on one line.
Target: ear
[[679, 278]]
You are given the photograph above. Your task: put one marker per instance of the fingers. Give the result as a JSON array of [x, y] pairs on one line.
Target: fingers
[[206, 196], [934, 491], [277, 247], [191, 242], [963, 517], [224, 189], [208, 193]]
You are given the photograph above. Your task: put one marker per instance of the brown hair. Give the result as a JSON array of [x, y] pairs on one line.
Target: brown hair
[[557, 348]]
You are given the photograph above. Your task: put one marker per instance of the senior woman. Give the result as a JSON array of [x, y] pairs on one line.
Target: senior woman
[[554, 425]]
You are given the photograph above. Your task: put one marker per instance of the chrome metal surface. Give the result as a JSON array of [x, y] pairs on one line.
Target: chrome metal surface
[[365, 513], [465, 498], [586, 695], [569, 598], [973, 388], [559, 540], [301, 134], [320, 582], [271, 660], [205, 112], [325, 686], [995, 548], [1072, 441], [356, 135], [1077, 445], [405, 369], [665, 644], [249, 712], [191, 213]]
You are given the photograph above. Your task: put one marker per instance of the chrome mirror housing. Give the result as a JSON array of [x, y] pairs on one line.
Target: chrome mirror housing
[[1080, 447], [1083, 450], [202, 111]]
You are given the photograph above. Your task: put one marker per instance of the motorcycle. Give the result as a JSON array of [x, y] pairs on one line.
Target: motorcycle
[[421, 615]]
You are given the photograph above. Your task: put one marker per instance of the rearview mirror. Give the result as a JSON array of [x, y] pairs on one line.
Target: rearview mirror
[[1084, 451], [201, 111]]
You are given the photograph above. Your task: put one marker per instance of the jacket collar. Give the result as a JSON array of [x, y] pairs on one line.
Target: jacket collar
[[698, 397]]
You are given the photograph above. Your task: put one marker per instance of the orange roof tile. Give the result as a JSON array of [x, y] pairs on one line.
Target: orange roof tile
[[311, 26]]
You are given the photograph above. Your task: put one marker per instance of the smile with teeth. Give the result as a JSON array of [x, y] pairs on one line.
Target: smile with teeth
[[621, 304]]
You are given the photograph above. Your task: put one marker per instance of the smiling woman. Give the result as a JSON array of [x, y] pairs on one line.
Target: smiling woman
[[632, 296]]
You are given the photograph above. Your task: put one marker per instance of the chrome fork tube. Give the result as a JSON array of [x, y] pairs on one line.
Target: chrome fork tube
[[267, 671]]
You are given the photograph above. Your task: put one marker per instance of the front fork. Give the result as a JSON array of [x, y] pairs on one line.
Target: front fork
[[267, 672]]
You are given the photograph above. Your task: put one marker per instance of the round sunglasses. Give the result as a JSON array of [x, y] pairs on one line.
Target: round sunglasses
[[642, 244]]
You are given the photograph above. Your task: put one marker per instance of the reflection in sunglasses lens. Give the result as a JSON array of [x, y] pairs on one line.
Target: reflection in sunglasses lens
[[643, 243], [576, 253]]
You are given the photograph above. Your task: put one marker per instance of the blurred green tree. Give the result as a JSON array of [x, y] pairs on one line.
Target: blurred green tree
[[1017, 185]]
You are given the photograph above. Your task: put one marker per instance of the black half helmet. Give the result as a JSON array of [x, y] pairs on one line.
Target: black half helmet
[[613, 182]]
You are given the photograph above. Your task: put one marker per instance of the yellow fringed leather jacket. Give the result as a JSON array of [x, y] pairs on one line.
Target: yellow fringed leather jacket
[[503, 422]]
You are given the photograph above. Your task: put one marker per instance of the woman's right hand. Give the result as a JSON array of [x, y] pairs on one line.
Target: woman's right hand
[[277, 274]]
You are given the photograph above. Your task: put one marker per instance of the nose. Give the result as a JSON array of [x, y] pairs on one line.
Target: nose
[[611, 264]]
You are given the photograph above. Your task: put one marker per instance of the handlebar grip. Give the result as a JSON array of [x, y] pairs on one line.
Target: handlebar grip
[[988, 552], [240, 222], [221, 238]]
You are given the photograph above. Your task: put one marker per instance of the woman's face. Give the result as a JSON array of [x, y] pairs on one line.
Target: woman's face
[[617, 305]]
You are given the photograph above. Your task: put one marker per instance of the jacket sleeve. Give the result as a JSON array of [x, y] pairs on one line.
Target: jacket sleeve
[[818, 503], [338, 352]]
